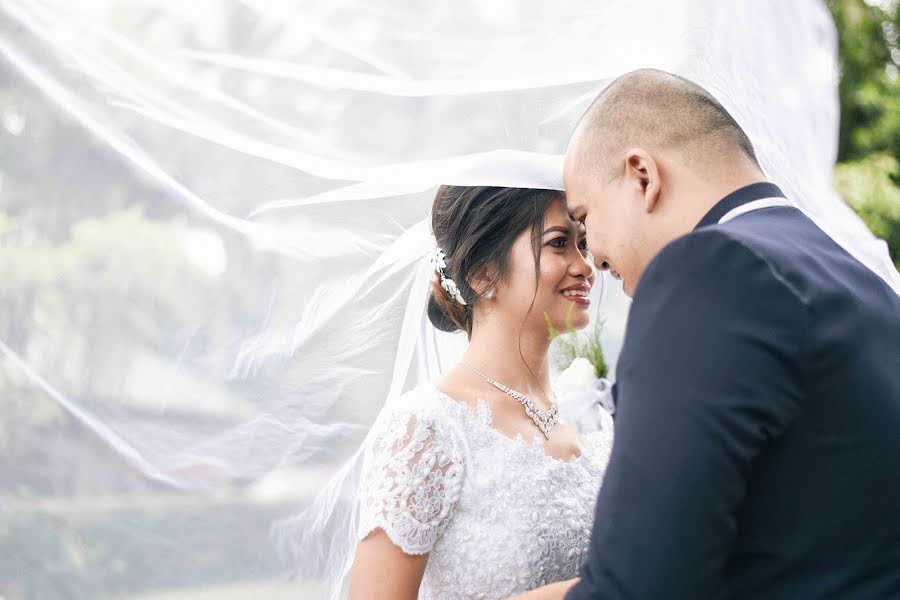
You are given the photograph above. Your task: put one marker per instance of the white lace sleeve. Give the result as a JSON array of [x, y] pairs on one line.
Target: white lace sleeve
[[411, 482]]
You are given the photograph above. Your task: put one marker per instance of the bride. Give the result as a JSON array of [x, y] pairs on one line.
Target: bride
[[471, 486]]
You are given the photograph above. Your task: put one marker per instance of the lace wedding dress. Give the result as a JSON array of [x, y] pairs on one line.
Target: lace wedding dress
[[496, 514]]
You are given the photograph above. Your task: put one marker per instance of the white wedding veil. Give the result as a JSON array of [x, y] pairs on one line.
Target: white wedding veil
[[215, 239]]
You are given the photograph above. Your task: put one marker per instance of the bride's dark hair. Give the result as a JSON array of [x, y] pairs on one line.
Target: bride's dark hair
[[476, 227]]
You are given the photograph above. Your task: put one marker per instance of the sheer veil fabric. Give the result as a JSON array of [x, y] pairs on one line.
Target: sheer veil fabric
[[252, 181]]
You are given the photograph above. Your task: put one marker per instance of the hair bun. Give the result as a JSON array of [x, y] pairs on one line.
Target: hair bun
[[477, 226], [444, 312]]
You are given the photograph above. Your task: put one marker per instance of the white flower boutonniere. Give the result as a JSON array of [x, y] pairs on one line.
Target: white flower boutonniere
[[578, 375], [584, 395]]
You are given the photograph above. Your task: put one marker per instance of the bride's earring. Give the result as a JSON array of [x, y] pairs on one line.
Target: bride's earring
[[488, 294]]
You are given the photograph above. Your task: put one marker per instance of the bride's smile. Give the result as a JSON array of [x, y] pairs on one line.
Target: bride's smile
[[559, 295], [578, 293]]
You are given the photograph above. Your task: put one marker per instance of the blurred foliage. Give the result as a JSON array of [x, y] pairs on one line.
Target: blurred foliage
[[870, 186], [571, 344], [108, 285], [81, 546], [867, 176], [69, 305], [869, 86]]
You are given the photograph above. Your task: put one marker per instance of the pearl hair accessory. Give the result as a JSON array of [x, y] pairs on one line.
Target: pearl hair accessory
[[439, 262]]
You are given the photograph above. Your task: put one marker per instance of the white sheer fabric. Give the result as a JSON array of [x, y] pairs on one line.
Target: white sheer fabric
[[215, 246], [496, 515]]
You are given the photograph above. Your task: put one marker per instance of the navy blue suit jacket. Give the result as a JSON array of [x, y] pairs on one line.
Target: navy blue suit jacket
[[757, 450]]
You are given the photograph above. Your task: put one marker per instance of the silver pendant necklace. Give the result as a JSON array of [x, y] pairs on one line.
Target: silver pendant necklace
[[545, 420]]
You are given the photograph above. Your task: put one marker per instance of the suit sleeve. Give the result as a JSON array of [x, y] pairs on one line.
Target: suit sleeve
[[707, 378]]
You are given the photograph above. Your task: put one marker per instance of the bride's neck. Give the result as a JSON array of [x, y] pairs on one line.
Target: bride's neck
[[518, 361]]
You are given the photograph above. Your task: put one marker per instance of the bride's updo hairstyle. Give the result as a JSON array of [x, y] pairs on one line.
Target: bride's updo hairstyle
[[476, 227]]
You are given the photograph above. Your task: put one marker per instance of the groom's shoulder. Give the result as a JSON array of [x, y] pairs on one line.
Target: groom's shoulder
[[715, 262]]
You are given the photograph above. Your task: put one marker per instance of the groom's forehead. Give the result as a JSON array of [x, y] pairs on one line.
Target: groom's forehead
[[578, 188], [575, 203]]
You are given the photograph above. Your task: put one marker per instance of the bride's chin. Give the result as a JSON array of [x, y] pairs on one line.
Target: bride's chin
[[572, 322], [580, 324]]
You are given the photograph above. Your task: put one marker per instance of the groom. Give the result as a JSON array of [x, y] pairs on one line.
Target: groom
[[757, 450]]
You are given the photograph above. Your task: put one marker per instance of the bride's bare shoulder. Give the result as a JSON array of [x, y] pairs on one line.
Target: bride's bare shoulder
[[459, 385]]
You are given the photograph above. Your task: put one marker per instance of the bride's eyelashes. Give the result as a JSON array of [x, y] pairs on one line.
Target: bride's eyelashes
[[558, 242], [561, 241]]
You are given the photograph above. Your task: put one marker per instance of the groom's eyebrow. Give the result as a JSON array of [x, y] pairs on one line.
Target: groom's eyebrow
[[576, 219]]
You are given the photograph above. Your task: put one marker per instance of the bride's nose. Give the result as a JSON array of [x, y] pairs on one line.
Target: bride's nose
[[583, 265]]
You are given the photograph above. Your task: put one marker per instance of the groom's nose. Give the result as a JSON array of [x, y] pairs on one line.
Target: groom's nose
[[600, 265]]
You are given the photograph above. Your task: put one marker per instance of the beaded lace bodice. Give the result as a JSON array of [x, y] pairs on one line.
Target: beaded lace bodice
[[496, 514]]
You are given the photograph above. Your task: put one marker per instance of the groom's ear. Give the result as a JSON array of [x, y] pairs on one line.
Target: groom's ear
[[642, 169]]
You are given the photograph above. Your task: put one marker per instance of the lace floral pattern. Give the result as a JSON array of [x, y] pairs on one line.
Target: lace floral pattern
[[413, 479], [496, 514]]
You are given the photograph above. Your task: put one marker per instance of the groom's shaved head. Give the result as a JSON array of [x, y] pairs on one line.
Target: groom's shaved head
[[656, 110], [652, 154]]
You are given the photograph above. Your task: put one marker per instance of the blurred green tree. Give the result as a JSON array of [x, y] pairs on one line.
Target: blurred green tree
[[867, 175], [869, 185], [869, 86]]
